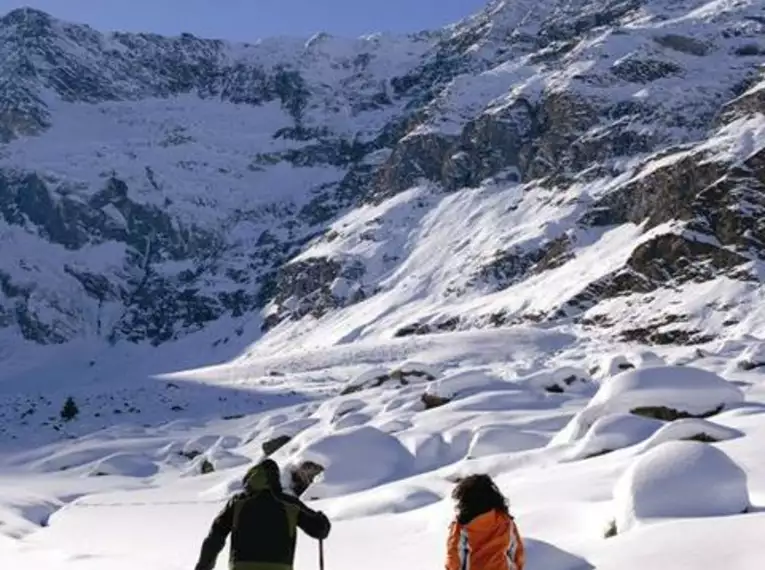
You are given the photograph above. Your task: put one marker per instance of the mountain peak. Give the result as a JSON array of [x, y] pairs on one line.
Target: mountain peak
[[27, 18]]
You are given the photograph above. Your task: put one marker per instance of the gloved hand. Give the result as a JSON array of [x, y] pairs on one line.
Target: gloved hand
[[326, 523]]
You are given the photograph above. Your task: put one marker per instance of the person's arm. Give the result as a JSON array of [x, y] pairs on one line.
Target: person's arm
[[314, 523], [453, 560], [216, 537], [519, 554]]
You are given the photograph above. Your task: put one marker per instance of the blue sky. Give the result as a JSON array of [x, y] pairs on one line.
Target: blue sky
[[251, 19]]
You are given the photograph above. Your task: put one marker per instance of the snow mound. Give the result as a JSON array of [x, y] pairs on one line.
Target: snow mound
[[125, 465], [752, 357], [409, 372], [199, 445], [387, 500], [690, 428], [665, 392], [611, 365], [680, 479], [567, 378], [345, 407], [612, 432], [368, 379], [75, 459], [287, 430], [648, 359], [497, 439], [541, 554], [394, 425], [430, 451], [22, 512], [463, 383], [225, 459], [416, 369], [352, 420], [354, 459]]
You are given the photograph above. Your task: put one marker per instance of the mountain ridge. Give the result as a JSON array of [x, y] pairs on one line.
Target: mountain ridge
[[150, 186]]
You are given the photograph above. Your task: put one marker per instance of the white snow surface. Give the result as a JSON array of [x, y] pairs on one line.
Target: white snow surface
[[81, 500]]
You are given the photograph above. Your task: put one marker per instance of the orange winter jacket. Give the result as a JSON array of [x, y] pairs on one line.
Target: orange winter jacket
[[488, 542]]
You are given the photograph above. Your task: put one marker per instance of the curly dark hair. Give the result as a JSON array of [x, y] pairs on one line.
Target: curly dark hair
[[478, 494]]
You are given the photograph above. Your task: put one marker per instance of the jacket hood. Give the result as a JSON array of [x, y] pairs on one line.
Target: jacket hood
[[489, 523], [263, 476]]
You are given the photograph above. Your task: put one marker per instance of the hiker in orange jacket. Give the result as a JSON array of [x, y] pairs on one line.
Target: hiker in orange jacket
[[483, 535]]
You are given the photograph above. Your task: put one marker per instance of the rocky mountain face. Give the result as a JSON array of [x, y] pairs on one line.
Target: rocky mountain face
[[599, 163]]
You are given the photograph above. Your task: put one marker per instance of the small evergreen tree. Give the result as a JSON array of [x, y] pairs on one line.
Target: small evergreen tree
[[70, 410]]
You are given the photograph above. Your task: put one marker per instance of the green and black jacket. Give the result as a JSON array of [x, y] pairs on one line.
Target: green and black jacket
[[263, 524]]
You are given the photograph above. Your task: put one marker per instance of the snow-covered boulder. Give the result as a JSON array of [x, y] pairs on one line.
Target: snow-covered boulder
[[216, 459], [353, 460], [415, 369], [463, 383], [612, 432], [274, 438], [690, 429], [352, 420], [393, 425], [430, 451], [611, 365], [647, 359], [369, 379], [496, 439], [225, 459], [679, 479], [565, 379], [125, 465], [661, 392], [199, 445], [274, 444], [404, 375], [752, 357], [344, 407], [670, 392]]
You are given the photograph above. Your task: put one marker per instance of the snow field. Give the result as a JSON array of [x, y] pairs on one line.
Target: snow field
[[389, 461]]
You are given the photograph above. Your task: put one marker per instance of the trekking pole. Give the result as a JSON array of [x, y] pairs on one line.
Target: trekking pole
[[321, 555]]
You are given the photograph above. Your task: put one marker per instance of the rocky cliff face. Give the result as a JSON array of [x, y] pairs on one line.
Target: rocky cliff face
[[588, 162]]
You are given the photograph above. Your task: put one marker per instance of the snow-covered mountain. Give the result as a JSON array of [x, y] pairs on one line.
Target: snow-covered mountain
[[589, 162], [388, 262]]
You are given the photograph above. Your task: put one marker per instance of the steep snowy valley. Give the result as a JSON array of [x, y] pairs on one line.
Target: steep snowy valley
[[529, 244]]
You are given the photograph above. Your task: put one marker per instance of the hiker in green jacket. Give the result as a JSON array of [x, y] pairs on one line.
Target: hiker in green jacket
[[263, 523]]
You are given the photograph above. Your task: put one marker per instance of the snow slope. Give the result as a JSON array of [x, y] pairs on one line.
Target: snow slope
[[540, 161]]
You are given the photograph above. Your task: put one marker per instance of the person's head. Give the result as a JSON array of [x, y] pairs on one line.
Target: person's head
[[264, 475], [475, 495]]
